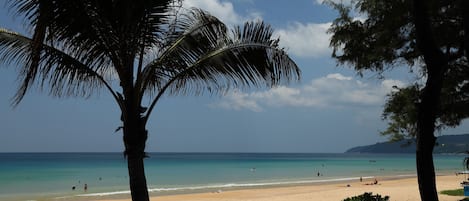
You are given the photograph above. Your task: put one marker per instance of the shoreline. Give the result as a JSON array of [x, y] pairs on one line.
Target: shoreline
[[182, 190], [399, 187], [194, 174], [154, 192]]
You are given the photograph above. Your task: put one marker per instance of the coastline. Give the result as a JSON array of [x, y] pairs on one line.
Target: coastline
[[399, 188], [53, 176]]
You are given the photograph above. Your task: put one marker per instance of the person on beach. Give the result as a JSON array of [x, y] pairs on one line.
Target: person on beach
[[86, 187], [375, 182]]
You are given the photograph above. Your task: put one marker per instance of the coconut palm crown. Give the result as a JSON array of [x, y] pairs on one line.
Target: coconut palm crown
[[136, 49]]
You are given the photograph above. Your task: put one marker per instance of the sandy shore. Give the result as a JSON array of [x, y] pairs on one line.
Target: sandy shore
[[404, 189]]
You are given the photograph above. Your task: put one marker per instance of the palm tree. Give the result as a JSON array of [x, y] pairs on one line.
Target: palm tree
[[136, 49]]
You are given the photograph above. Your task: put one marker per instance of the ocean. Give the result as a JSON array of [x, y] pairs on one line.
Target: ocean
[[62, 176]]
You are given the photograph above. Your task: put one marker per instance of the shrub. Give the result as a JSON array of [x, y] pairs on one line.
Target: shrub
[[368, 197]]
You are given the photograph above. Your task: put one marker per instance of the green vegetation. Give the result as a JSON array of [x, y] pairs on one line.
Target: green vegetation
[[368, 197], [455, 192], [430, 37]]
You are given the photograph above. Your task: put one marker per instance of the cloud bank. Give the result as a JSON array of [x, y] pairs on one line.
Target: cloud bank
[[331, 91], [223, 10], [346, 2], [306, 40], [299, 39]]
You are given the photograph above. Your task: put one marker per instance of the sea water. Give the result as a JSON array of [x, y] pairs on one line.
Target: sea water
[[62, 176]]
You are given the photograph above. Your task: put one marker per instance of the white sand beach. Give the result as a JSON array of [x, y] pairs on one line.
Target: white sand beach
[[404, 189]]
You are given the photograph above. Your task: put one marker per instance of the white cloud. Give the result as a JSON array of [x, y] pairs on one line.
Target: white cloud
[[305, 40], [223, 10], [238, 101], [338, 76], [331, 91], [346, 2]]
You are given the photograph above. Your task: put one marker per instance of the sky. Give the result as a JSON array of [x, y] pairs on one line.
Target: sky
[[330, 110]]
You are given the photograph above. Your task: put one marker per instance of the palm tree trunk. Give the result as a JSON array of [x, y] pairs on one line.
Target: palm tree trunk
[[135, 137], [137, 180]]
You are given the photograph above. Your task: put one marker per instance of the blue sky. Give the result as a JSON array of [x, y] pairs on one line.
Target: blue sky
[[330, 110]]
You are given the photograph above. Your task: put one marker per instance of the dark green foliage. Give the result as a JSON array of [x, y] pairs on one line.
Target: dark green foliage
[[431, 36], [376, 43], [387, 39], [368, 197], [401, 112]]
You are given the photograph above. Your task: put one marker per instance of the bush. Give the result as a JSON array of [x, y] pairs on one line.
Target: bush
[[368, 197]]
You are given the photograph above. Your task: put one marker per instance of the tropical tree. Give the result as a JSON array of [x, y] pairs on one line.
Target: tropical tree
[[136, 49], [404, 33], [401, 113]]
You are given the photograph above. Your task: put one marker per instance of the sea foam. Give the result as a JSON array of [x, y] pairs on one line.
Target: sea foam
[[226, 186]]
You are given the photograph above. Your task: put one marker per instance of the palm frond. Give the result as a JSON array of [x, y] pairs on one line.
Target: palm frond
[[192, 35], [64, 74], [101, 27], [247, 58], [104, 36], [242, 64]]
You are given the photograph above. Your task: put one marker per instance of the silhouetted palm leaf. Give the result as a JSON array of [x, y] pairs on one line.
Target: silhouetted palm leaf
[[65, 74], [206, 57]]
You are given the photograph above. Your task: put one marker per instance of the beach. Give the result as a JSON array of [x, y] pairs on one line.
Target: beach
[[218, 176], [403, 189]]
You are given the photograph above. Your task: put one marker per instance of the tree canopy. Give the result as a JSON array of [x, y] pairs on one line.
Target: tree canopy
[[401, 112], [379, 35], [429, 36]]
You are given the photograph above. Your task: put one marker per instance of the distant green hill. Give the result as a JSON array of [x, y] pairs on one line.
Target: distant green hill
[[445, 144]]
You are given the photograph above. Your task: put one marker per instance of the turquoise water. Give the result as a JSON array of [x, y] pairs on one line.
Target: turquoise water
[[49, 176]]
